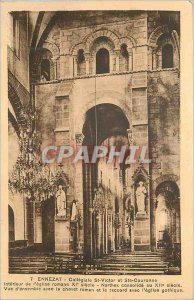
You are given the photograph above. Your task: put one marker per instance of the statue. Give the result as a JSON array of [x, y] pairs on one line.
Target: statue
[[141, 193], [74, 211], [99, 204], [61, 202]]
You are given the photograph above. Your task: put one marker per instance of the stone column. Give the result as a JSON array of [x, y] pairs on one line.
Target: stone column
[[153, 207], [25, 219], [87, 59], [113, 233], [98, 233], [154, 60], [95, 235], [71, 66], [29, 232], [91, 232], [75, 65], [92, 65], [117, 54], [130, 66], [103, 234], [79, 197], [54, 70], [38, 222], [106, 226]]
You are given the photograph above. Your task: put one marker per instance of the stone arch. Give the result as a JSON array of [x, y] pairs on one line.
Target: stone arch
[[75, 48], [16, 105], [167, 185], [52, 52], [160, 37], [163, 178], [103, 97], [112, 36], [152, 42], [129, 41], [102, 42], [168, 200], [53, 48]]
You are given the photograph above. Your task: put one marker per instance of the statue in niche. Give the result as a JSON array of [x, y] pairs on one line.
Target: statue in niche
[[98, 200], [141, 194], [74, 211], [61, 202]]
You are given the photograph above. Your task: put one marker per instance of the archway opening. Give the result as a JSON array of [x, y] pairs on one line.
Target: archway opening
[[103, 181], [168, 234]]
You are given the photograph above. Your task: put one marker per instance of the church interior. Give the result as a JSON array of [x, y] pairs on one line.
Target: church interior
[[94, 78]]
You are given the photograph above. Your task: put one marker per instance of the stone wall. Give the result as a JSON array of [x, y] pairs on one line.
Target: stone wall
[[148, 97], [164, 120]]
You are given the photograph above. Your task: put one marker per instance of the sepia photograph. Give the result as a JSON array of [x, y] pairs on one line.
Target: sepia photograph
[[94, 142]]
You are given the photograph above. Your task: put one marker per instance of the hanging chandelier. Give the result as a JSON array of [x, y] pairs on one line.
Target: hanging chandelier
[[30, 175]]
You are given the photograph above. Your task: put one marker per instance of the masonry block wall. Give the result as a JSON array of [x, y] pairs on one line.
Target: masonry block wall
[[147, 94]]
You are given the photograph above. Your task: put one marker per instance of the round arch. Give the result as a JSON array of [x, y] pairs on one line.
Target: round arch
[[101, 97], [112, 36], [154, 36], [110, 120], [167, 177]]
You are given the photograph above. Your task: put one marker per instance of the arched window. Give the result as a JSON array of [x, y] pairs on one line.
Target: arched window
[[124, 58], [167, 56], [102, 61], [81, 64], [45, 70]]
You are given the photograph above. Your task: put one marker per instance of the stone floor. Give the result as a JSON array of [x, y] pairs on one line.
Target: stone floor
[[118, 263]]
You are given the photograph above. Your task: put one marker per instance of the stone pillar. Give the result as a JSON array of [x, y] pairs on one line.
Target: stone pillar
[[113, 233], [98, 233], [38, 222], [29, 222], [62, 235], [62, 67], [94, 241], [106, 226], [154, 60], [79, 197], [87, 59], [153, 205], [91, 232], [25, 220], [75, 65], [130, 62], [54, 70], [71, 66], [103, 234], [117, 53], [109, 231]]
